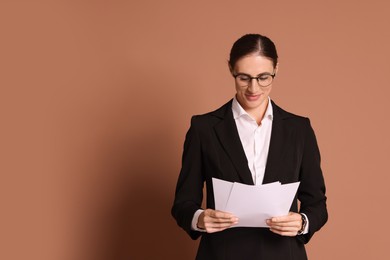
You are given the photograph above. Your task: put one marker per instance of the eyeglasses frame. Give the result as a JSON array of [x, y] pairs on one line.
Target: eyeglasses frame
[[256, 78]]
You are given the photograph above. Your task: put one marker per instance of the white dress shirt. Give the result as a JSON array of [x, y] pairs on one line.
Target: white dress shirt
[[255, 138]]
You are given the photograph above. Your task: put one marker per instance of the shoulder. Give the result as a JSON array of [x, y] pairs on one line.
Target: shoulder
[[289, 118], [278, 111], [213, 116]]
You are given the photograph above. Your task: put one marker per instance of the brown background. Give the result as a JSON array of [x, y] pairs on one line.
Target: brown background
[[96, 97]]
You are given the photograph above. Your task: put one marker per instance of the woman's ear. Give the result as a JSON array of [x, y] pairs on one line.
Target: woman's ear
[[230, 68], [276, 68]]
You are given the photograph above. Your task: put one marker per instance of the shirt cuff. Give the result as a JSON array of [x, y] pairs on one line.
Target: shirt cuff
[[194, 222], [306, 230]]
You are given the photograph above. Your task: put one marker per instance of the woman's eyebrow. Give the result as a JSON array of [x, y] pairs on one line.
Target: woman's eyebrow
[[260, 74]]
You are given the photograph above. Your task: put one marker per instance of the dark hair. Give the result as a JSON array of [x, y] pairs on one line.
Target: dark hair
[[252, 44]]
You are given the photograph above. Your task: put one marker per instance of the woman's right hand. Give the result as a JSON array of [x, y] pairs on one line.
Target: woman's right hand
[[215, 220]]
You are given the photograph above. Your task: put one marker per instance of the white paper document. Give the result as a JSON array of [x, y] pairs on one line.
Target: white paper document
[[253, 205]]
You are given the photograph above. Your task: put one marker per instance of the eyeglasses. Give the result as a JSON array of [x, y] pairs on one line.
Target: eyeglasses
[[264, 79]]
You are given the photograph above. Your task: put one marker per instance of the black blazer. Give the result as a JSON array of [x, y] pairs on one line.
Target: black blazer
[[213, 148]]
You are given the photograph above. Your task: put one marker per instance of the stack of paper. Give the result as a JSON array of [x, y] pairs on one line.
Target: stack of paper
[[253, 205]]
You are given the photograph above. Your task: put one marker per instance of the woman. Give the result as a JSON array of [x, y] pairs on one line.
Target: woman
[[253, 141]]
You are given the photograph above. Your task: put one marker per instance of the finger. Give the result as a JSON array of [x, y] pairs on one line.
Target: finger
[[212, 227], [208, 219], [218, 225], [285, 229], [291, 228], [219, 214], [296, 224], [294, 228], [292, 216]]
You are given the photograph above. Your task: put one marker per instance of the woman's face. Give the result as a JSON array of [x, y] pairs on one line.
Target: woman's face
[[252, 96]]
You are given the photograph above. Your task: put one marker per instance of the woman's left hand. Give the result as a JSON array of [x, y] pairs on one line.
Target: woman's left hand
[[286, 225]]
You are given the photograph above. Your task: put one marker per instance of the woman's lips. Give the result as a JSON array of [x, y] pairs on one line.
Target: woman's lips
[[252, 97]]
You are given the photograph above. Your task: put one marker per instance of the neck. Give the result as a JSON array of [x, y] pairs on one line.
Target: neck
[[258, 112]]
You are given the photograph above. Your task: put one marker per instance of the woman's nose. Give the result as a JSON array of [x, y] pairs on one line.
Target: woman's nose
[[253, 85]]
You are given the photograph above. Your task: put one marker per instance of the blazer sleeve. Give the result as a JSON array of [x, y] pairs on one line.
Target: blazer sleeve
[[311, 192], [189, 188]]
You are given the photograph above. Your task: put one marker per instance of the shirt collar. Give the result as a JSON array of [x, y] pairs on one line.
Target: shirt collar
[[238, 111]]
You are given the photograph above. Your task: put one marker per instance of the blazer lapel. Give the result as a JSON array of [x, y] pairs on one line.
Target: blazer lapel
[[276, 145], [227, 134]]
